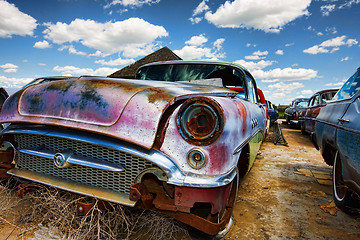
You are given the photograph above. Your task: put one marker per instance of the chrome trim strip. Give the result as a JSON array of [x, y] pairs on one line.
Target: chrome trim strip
[[77, 160], [338, 126], [175, 175], [240, 147], [71, 186]]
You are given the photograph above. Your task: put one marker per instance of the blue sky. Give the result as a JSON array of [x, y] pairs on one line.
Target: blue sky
[[293, 48]]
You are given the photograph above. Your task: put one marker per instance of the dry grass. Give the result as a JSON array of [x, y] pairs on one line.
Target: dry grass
[[53, 210]]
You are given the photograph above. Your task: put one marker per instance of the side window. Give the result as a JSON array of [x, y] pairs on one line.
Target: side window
[[251, 89], [350, 87], [243, 94], [316, 100], [311, 102], [327, 97]]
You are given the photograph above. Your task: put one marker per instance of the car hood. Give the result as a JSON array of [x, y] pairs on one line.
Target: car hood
[[126, 109]]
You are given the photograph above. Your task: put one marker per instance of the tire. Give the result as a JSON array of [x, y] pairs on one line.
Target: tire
[[344, 197]]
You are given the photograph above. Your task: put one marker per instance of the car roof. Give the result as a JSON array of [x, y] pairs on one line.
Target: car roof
[[326, 90], [229, 64]]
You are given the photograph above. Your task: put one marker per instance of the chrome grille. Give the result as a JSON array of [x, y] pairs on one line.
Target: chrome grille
[[115, 181]]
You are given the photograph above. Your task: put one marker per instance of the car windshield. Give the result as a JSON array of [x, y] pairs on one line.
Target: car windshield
[[302, 104], [188, 72], [350, 87]]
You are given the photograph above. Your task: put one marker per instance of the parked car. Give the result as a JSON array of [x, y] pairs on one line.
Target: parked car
[[292, 113], [337, 135], [166, 141], [272, 112], [317, 101], [3, 96]]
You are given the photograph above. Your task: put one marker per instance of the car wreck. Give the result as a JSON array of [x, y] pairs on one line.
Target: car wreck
[[316, 102], [292, 113], [166, 141], [337, 136]]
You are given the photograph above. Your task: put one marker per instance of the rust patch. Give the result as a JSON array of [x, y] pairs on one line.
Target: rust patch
[[125, 86], [60, 86], [159, 94], [243, 113], [202, 124]]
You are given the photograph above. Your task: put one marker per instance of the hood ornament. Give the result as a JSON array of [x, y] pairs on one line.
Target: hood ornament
[[61, 159]]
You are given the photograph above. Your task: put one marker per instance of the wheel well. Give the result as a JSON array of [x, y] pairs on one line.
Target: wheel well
[[328, 153], [244, 159]]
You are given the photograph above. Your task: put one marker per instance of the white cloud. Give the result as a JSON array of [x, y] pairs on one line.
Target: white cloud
[[280, 89], [286, 74], [116, 62], [327, 9], [130, 36], [289, 44], [279, 52], [218, 43], [266, 15], [14, 82], [345, 59], [9, 68], [15, 22], [42, 44], [257, 55], [315, 50], [195, 49], [307, 92], [98, 54], [331, 30], [348, 4], [333, 44], [71, 70], [337, 84], [194, 52], [250, 45], [202, 7], [197, 40], [72, 50], [252, 66], [131, 3], [195, 20]]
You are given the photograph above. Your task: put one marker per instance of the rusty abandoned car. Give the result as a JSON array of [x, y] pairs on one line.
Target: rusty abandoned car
[[337, 135], [164, 141], [316, 102], [292, 113]]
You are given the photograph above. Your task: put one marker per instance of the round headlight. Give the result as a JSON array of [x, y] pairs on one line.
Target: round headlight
[[196, 158], [200, 121]]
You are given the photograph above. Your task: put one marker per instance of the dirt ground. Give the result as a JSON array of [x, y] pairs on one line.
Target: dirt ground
[[286, 195]]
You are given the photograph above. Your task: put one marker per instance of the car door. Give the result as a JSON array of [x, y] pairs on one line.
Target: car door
[[348, 140], [313, 113]]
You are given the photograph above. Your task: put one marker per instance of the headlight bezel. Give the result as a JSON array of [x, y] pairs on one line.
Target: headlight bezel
[[200, 121]]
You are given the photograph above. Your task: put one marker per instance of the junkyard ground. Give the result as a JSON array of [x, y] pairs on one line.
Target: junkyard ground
[[286, 195]]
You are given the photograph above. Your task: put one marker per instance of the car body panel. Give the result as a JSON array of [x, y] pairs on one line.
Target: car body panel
[[337, 129], [100, 109]]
